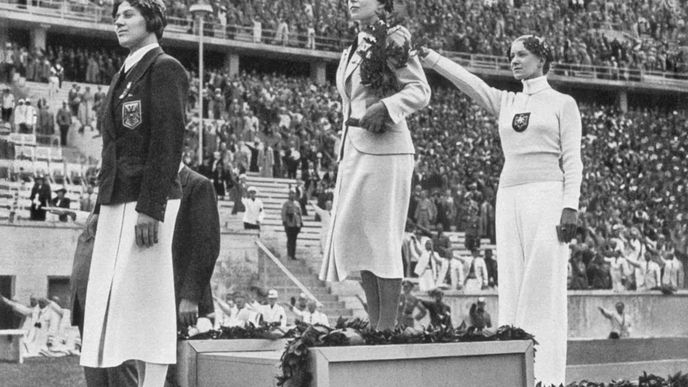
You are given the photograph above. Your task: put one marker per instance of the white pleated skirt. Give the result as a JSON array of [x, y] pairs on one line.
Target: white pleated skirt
[[369, 212], [130, 304]]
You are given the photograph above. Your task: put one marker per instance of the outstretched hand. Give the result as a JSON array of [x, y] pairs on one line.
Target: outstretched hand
[[375, 118]]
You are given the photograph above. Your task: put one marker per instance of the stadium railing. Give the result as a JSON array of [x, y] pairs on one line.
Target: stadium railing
[[93, 13]]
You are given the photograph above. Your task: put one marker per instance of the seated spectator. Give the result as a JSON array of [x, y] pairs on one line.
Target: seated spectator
[[479, 317], [440, 313], [408, 304], [314, 316], [273, 313]]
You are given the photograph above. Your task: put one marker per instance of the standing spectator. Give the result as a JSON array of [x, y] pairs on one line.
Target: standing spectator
[[431, 268], [492, 271], [425, 211], [19, 120], [88, 200], [472, 240], [29, 117], [446, 210], [650, 274], [255, 213], [619, 320], [618, 267], [442, 243], [476, 278], [7, 104], [217, 175], [64, 121], [291, 219], [239, 191], [40, 196], [487, 220], [673, 276], [45, 123], [74, 99]]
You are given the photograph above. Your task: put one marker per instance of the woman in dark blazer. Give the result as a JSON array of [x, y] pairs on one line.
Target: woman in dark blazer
[[130, 302]]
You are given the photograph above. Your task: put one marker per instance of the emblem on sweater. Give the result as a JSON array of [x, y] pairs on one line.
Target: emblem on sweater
[[520, 122], [131, 114]]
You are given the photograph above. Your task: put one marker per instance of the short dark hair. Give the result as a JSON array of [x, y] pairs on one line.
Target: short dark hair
[[152, 10], [537, 46]]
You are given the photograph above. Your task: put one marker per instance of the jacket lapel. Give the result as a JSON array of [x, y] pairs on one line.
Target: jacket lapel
[[341, 69], [184, 176], [107, 117], [138, 70], [353, 65]]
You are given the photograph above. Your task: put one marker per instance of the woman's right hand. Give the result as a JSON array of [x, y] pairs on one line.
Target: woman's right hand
[[146, 230]]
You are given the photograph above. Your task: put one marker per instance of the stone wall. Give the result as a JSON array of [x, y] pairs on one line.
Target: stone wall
[[652, 314], [32, 252]]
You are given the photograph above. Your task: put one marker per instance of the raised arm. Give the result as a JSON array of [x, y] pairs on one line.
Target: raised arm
[[570, 132], [415, 91], [487, 97]]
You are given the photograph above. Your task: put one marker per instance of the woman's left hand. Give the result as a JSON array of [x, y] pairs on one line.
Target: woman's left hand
[[568, 224], [375, 118], [146, 230]]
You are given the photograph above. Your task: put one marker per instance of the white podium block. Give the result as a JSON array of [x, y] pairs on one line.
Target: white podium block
[[494, 363], [189, 351], [10, 345]]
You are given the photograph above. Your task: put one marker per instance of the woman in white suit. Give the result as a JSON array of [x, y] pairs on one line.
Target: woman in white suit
[[537, 202], [374, 179]]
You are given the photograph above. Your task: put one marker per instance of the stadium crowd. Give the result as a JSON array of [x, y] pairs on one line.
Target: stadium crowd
[[282, 126], [648, 35], [642, 34]]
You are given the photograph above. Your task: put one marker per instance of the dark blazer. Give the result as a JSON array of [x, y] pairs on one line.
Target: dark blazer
[[143, 133], [196, 243], [195, 248]]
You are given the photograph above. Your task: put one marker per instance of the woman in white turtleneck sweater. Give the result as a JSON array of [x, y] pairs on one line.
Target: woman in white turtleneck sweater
[[537, 201]]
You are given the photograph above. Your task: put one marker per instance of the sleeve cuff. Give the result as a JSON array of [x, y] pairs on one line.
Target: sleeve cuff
[[431, 59], [394, 114]]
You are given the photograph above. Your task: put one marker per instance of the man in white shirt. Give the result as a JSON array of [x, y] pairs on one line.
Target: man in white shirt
[[254, 214], [476, 278], [620, 322], [635, 253], [273, 314], [673, 272], [649, 274], [314, 316]]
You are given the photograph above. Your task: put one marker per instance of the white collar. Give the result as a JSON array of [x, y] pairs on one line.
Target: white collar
[[135, 57], [181, 166], [535, 85]]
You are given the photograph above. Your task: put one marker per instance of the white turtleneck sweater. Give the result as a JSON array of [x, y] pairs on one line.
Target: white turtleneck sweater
[[549, 149]]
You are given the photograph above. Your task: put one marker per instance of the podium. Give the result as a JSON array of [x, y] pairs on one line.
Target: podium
[[493, 363]]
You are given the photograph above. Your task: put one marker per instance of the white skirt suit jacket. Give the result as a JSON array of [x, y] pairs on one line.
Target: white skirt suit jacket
[[374, 178]]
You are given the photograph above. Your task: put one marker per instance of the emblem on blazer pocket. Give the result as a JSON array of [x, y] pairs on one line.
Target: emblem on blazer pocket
[[131, 114], [520, 122]]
